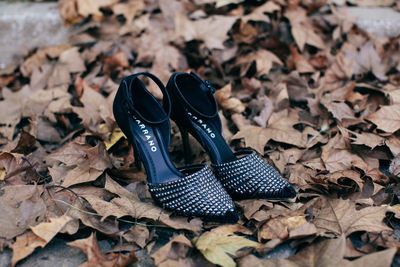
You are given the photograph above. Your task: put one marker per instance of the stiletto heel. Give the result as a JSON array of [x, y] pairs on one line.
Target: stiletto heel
[[190, 191], [138, 161], [187, 153], [244, 174]]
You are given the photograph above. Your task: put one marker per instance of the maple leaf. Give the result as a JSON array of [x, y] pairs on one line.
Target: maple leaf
[[302, 29], [96, 109], [341, 217], [280, 129], [212, 30]]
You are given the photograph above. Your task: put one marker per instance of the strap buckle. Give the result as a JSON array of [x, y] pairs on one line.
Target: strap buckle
[[209, 86]]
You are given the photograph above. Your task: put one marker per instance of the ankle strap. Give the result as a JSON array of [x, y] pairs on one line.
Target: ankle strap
[[204, 86], [130, 102]]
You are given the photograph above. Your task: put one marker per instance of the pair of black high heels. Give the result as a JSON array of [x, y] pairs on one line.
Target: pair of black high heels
[[196, 189]]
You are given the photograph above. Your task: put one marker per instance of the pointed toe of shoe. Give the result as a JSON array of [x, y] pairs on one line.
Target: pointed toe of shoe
[[287, 192], [231, 216]]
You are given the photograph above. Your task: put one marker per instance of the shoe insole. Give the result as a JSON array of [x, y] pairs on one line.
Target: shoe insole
[[154, 155], [212, 140]]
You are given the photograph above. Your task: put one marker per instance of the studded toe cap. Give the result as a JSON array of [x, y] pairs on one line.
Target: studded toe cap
[[198, 194], [250, 176]]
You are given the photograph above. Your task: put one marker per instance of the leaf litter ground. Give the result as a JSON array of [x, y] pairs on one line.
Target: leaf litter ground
[[297, 81]]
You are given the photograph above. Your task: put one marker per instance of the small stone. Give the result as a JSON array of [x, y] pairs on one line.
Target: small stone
[[380, 21]]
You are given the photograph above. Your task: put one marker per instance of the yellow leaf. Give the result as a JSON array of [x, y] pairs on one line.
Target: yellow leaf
[[217, 245], [116, 135], [2, 174]]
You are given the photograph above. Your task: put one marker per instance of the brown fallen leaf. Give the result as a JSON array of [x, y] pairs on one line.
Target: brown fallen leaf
[[96, 109], [98, 157], [339, 216], [104, 208], [281, 227], [73, 60], [301, 63], [39, 236], [280, 129], [137, 234], [226, 101], [258, 14], [387, 118], [368, 139], [81, 174], [176, 249], [264, 60], [302, 29], [24, 246], [42, 55], [212, 30], [71, 154], [251, 206], [47, 230], [96, 257], [130, 204], [21, 207], [340, 110], [326, 253]]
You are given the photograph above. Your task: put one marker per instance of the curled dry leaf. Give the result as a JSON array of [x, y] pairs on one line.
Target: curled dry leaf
[[226, 101], [173, 252], [96, 257], [282, 228]]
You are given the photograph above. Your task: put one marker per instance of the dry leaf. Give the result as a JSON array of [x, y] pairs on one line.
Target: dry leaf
[[40, 236], [174, 250], [302, 29], [264, 60], [387, 118], [280, 129], [96, 257], [341, 217], [24, 246], [281, 227], [212, 30], [226, 101], [130, 204], [21, 207], [216, 245]]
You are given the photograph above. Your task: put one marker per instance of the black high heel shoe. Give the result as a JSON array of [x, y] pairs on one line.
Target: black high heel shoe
[[190, 191], [244, 174]]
